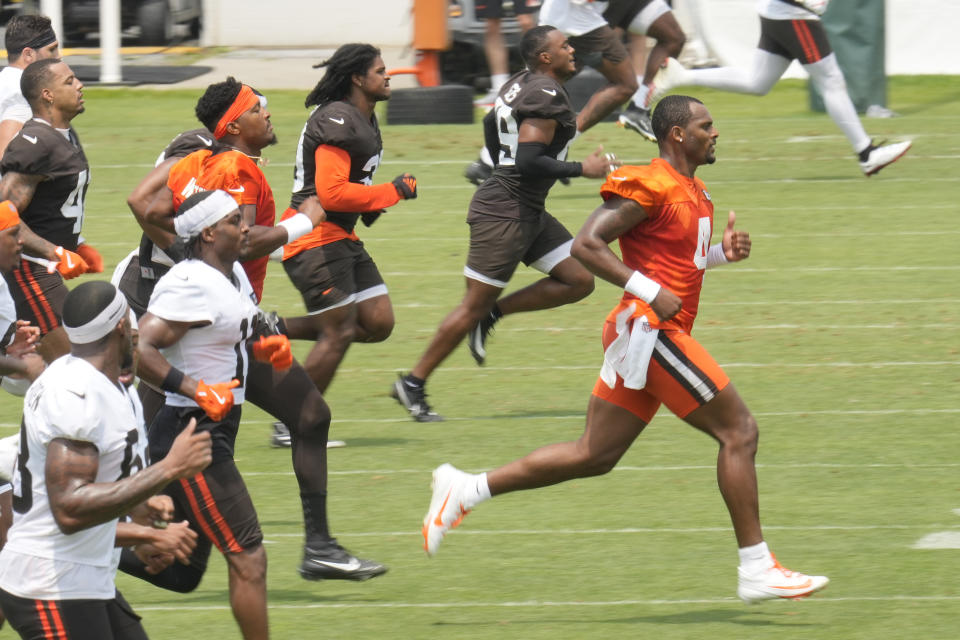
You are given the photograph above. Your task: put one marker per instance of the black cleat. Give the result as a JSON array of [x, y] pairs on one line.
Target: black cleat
[[414, 400], [477, 338], [333, 562], [281, 436], [637, 119], [476, 172]]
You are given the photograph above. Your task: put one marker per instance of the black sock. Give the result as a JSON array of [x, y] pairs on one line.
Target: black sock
[[315, 519], [413, 381], [865, 154], [495, 312]]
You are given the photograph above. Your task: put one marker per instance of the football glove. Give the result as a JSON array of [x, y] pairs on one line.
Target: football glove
[[70, 264], [92, 257], [275, 350], [216, 399], [406, 186]]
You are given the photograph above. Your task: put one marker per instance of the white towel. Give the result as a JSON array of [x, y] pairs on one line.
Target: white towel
[[629, 353]]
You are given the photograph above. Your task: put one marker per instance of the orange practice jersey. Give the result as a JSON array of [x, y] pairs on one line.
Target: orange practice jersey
[[670, 246], [237, 174]]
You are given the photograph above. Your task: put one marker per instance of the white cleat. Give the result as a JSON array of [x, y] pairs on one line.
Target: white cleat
[[671, 74], [777, 582], [880, 157], [446, 506]]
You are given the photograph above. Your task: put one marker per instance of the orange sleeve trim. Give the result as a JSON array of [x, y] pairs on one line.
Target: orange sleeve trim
[[337, 193]]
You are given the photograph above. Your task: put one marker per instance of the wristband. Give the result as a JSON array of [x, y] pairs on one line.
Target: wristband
[[642, 287], [172, 381], [716, 256], [297, 226]]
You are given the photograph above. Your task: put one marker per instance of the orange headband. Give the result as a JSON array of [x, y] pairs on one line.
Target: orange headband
[[245, 100], [8, 215]]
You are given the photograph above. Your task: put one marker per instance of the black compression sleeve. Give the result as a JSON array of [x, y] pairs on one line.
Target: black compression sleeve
[[533, 161]]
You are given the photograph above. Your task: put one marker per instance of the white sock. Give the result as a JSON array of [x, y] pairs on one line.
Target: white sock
[[477, 491], [755, 558], [485, 156], [639, 98], [497, 81], [828, 78]]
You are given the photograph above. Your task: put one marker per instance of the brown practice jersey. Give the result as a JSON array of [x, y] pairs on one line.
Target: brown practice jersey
[[55, 212], [525, 95]]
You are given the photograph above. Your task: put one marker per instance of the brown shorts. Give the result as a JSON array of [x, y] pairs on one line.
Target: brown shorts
[[803, 40], [681, 375], [498, 246], [593, 47], [334, 275], [38, 295]]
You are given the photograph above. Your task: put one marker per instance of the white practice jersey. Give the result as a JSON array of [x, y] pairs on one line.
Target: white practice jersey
[[571, 17], [13, 106], [779, 10], [193, 291], [8, 314], [72, 400]]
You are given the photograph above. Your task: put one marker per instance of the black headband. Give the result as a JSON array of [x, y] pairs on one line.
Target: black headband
[[42, 40]]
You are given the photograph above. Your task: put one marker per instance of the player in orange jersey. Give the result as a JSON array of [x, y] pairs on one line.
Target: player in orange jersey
[[663, 218]]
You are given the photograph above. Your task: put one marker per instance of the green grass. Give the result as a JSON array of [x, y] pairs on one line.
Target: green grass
[[840, 332]]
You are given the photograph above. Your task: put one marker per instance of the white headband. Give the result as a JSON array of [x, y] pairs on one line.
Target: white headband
[[205, 213], [100, 326]]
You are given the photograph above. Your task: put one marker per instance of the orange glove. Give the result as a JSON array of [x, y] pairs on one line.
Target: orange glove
[[275, 350], [70, 265], [216, 399], [92, 257]]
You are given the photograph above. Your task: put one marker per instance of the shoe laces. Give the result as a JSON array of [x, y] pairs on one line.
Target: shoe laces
[[782, 569]]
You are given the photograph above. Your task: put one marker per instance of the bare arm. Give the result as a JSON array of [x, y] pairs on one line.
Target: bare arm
[[8, 129], [19, 188], [151, 202], [608, 222], [155, 334], [79, 502], [263, 240]]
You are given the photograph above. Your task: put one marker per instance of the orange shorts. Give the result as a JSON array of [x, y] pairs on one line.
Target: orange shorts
[[681, 375]]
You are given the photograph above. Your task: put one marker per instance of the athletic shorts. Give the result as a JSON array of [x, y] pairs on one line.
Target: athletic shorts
[[498, 246], [593, 47], [73, 619], [38, 295], [335, 275], [134, 286], [635, 17], [803, 40], [681, 375], [170, 421], [218, 507], [484, 9]]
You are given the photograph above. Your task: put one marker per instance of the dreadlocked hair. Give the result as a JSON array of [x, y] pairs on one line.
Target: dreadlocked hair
[[347, 61], [216, 100]]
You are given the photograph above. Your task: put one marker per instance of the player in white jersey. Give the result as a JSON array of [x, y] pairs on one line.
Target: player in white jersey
[[201, 314], [82, 466], [27, 38]]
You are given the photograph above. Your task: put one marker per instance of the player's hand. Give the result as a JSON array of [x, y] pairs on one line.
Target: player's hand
[[406, 186], [312, 209], [666, 305], [191, 450], [155, 560], [159, 508], [176, 539], [24, 340], [92, 257], [70, 264], [736, 244], [598, 164], [215, 399], [275, 350], [35, 365]]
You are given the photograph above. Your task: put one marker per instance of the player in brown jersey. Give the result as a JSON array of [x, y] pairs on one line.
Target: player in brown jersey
[[338, 153], [45, 175], [662, 217], [532, 127]]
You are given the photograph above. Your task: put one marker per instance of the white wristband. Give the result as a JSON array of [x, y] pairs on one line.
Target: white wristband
[[642, 287], [297, 226], [716, 256]]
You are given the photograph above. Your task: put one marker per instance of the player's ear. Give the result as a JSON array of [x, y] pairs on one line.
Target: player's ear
[[676, 133]]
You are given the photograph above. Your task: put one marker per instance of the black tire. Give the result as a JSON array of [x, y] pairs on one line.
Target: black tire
[[156, 22], [447, 104]]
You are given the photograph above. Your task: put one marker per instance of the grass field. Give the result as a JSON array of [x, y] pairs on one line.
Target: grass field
[[841, 332]]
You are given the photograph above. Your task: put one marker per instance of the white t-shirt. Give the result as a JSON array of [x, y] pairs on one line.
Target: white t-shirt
[[73, 400], [777, 10], [193, 291], [573, 18], [8, 314], [13, 106]]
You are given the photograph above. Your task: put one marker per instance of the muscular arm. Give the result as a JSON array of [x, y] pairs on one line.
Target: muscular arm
[[79, 502], [8, 129], [608, 222], [155, 334], [19, 188], [261, 240], [151, 202]]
